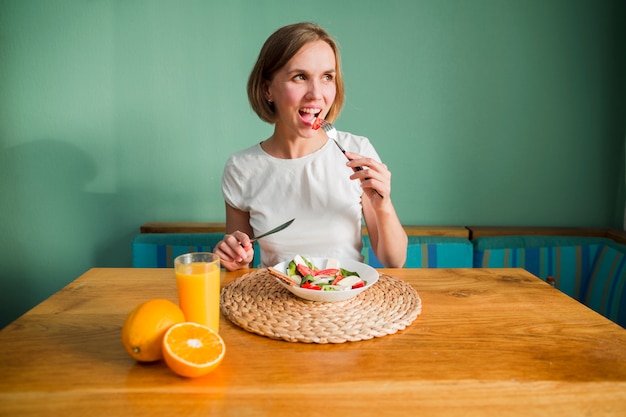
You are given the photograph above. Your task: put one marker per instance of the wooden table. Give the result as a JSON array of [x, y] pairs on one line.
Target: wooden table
[[489, 342]]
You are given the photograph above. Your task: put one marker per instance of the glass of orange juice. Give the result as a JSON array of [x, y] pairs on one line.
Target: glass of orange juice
[[198, 282]]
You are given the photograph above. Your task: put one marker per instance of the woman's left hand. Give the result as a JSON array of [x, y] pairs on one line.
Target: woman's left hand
[[375, 177]]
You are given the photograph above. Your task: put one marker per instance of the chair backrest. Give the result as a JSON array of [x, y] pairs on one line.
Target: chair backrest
[[569, 260], [606, 288], [428, 252], [158, 250]]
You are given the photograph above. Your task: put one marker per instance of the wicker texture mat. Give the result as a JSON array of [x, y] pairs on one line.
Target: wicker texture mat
[[258, 304]]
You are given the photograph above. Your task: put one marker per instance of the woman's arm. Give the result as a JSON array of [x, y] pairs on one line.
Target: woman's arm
[[387, 236], [236, 251], [386, 233]]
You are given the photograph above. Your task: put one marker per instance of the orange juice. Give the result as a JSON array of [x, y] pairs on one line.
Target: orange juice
[[198, 282]]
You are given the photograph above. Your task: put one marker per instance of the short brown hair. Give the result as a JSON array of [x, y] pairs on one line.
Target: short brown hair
[[278, 49]]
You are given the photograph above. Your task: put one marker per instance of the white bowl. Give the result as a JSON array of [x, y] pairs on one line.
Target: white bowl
[[366, 272]]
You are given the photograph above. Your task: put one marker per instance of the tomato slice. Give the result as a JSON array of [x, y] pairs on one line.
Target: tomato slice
[[310, 286], [337, 279], [358, 285], [304, 270], [330, 271], [317, 123]]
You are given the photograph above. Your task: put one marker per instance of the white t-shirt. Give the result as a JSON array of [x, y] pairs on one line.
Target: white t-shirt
[[316, 190]]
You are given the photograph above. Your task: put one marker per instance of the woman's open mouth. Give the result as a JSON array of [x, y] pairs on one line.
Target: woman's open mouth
[[308, 114]]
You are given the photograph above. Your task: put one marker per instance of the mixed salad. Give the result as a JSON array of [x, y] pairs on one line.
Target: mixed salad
[[332, 278]]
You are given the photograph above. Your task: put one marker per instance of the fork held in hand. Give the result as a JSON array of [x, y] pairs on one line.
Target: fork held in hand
[[331, 132]]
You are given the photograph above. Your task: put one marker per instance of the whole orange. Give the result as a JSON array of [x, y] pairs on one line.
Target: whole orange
[[145, 326]]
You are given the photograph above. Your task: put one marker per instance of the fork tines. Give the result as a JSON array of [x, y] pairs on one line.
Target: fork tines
[[331, 132], [327, 126]]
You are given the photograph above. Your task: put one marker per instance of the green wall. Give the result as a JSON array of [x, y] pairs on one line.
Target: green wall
[[114, 113]]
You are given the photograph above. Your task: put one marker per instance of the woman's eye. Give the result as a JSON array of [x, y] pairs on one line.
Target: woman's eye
[[299, 77], [328, 77]]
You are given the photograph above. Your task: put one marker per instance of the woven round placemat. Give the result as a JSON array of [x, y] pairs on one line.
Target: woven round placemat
[[259, 304]]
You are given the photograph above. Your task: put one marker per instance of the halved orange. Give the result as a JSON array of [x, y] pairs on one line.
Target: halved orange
[[192, 350]]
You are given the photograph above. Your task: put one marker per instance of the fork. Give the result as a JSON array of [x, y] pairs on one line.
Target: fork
[[331, 132]]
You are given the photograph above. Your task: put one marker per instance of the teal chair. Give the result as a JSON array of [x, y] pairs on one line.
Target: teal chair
[[606, 288], [569, 260], [428, 252], [158, 250], [591, 270]]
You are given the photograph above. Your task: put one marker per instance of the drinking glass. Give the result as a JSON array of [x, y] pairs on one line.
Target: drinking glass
[[198, 282]]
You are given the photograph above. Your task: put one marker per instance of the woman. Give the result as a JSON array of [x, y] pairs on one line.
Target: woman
[[298, 172]]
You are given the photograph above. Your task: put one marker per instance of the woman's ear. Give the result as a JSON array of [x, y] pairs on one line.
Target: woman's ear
[[267, 93]]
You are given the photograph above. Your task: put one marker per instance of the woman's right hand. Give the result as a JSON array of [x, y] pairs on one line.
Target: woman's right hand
[[235, 251]]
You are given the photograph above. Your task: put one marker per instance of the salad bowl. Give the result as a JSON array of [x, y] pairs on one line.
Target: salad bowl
[[366, 272]]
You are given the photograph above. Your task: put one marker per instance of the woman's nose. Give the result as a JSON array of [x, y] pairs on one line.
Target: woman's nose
[[315, 89]]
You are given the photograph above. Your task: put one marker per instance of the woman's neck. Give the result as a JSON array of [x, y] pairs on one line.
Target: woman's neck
[[282, 146]]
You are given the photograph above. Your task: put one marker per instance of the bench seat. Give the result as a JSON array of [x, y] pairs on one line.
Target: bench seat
[[591, 270]]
